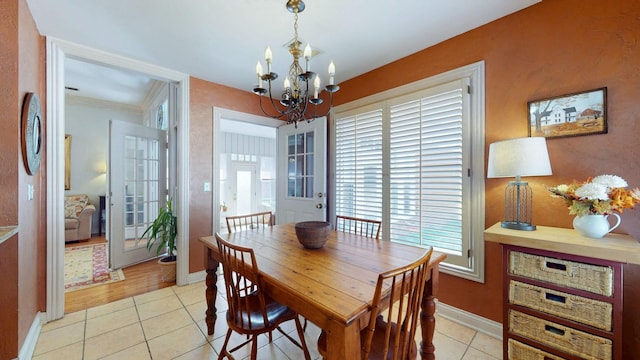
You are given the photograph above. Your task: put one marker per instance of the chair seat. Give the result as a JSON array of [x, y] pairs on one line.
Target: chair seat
[[377, 346], [276, 313]]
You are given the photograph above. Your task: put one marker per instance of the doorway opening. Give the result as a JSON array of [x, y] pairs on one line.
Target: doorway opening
[[244, 165], [58, 53]]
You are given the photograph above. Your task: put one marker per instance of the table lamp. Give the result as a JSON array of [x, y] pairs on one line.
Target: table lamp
[[516, 158]]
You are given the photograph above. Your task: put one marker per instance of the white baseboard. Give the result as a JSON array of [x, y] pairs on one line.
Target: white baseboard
[[470, 320], [197, 277], [29, 346]]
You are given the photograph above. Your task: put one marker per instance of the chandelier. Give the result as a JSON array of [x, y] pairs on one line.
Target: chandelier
[[293, 105]]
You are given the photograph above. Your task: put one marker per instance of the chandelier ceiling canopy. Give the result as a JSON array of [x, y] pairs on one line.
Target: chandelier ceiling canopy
[[301, 86]]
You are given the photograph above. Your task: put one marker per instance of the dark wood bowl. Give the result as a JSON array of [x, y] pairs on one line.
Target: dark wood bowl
[[313, 234]]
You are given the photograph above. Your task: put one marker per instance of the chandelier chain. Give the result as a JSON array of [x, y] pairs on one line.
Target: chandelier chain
[[295, 25], [295, 68]]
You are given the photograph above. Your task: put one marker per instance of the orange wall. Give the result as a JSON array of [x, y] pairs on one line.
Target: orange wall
[[23, 261], [10, 112], [9, 165], [32, 243]]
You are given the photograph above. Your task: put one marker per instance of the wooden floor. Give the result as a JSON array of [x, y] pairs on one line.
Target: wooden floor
[[138, 279]]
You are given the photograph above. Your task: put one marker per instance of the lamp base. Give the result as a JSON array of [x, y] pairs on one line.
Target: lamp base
[[518, 225]]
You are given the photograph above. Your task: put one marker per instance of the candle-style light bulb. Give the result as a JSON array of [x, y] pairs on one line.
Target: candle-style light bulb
[[316, 86], [259, 73], [287, 86], [268, 56], [332, 73], [307, 56]]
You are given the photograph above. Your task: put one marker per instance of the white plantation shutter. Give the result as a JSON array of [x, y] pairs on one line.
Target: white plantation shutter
[[413, 157], [358, 162], [426, 169]]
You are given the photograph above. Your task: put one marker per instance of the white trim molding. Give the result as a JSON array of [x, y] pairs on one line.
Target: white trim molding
[[197, 277], [57, 51], [29, 345], [470, 320]]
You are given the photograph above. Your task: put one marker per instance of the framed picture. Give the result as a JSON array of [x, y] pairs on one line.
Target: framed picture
[[67, 162], [582, 113]]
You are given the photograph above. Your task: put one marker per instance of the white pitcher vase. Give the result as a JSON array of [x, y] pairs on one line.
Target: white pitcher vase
[[595, 226]]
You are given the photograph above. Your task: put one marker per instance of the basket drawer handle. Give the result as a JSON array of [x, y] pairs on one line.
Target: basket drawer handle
[[553, 266], [554, 298], [554, 330]]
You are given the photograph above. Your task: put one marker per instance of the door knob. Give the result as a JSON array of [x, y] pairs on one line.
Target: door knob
[[319, 206]]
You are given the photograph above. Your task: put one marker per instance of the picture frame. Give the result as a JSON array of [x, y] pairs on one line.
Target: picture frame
[[67, 162], [575, 114]]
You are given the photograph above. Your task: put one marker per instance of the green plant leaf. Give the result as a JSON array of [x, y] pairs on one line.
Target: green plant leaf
[[163, 231]]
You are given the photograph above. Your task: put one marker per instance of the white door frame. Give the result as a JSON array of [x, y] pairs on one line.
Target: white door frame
[[57, 51], [218, 115]]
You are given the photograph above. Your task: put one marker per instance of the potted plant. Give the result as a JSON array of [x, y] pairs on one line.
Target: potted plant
[[162, 234]]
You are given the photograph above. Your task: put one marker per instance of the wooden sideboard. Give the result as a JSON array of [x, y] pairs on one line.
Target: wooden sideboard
[[563, 293]]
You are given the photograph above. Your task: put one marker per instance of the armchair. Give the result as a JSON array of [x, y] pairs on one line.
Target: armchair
[[77, 217]]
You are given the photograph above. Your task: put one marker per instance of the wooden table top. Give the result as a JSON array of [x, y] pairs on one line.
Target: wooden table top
[[335, 282]]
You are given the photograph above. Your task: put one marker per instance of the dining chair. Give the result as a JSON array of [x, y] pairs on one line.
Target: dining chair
[[251, 312], [395, 313], [361, 226], [237, 223]]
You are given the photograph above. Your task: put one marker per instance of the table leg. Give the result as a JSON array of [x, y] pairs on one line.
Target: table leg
[[427, 320], [211, 292], [343, 342]]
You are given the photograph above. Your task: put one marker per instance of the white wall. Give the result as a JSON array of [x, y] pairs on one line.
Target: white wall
[[87, 121]]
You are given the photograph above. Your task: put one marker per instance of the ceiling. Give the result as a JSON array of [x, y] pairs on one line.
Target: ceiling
[[222, 40]]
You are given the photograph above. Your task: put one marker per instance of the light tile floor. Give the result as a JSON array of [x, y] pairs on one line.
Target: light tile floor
[[169, 324]]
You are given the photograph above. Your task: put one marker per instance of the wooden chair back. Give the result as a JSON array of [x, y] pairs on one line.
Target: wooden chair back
[[253, 221], [397, 298], [242, 284], [360, 226], [251, 312]]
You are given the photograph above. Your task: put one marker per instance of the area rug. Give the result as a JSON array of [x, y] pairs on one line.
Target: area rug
[[86, 266]]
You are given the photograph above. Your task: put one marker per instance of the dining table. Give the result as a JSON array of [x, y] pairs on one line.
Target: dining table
[[331, 286]]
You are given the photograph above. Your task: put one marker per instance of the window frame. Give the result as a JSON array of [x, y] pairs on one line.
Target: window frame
[[474, 73]]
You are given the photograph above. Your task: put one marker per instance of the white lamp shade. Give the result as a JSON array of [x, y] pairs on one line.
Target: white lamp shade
[[519, 157]]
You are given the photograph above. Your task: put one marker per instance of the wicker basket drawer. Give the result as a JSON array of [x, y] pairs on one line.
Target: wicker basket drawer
[[560, 337], [577, 308], [520, 351], [592, 278]]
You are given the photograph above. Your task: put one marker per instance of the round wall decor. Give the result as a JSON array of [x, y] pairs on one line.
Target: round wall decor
[[31, 133]]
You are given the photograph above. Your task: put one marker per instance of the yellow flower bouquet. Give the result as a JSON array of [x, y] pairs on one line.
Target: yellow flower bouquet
[[601, 195]]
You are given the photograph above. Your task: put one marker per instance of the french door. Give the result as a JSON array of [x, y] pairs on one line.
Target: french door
[[137, 188]]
